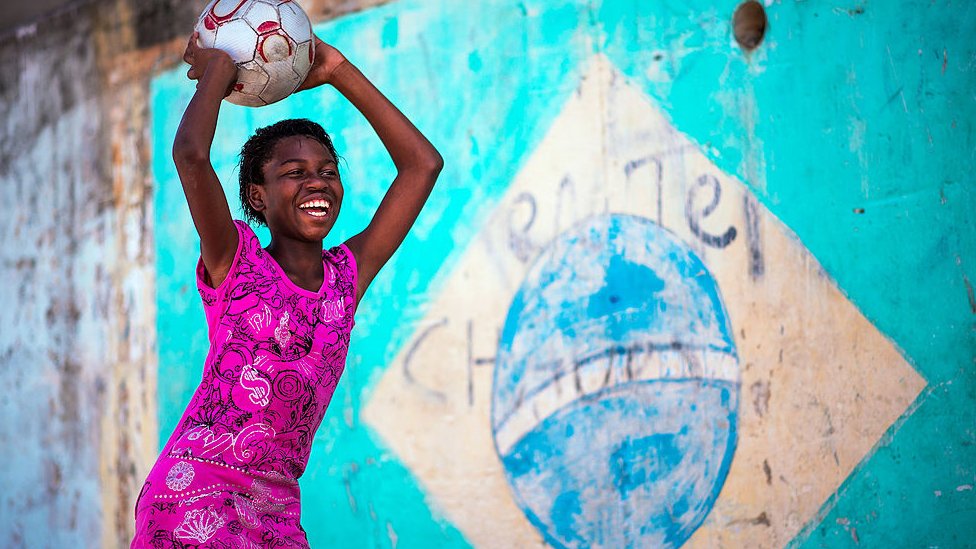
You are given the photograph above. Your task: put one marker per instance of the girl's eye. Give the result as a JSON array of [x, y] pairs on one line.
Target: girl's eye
[[328, 173], [294, 173]]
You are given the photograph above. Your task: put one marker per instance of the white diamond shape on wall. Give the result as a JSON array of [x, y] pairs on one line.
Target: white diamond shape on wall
[[817, 383]]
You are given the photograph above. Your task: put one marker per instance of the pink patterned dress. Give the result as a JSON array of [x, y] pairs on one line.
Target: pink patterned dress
[[228, 477]]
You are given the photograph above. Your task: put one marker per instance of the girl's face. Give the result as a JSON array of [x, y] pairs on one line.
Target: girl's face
[[301, 194]]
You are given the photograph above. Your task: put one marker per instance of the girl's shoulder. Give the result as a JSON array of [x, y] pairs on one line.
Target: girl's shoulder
[[340, 257], [249, 249], [246, 256], [343, 263], [246, 232]]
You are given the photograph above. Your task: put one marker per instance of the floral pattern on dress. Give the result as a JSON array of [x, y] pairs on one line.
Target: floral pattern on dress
[[277, 352], [180, 476]]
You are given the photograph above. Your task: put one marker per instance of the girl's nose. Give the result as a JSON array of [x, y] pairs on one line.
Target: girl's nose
[[318, 181]]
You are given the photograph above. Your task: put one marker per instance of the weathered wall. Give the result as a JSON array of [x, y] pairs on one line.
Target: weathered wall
[[77, 300], [665, 293]]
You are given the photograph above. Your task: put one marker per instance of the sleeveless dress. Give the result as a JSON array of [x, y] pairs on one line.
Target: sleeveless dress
[[228, 476]]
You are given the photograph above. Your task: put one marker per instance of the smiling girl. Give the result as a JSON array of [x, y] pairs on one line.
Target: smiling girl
[[279, 317]]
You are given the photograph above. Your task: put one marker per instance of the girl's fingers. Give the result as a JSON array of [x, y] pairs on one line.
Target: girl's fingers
[[190, 57], [190, 49]]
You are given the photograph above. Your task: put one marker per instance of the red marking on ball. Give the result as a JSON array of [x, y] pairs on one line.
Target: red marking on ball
[[209, 23], [311, 53], [238, 86], [268, 26], [222, 18]]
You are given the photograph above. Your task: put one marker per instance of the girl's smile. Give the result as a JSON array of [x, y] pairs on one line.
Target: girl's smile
[[302, 192], [316, 207]]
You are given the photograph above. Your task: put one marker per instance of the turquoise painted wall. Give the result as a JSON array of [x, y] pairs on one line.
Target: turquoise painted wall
[[853, 123]]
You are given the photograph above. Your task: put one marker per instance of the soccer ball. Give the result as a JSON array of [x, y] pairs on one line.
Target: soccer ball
[[270, 40]]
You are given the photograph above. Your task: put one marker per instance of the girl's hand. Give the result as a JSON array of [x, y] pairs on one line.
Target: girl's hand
[[327, 60], [209, 61]]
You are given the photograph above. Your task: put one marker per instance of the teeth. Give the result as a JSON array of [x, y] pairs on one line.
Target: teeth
[[318, 203]]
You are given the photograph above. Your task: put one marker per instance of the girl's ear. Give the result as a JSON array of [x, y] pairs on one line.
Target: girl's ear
[[255, 195]]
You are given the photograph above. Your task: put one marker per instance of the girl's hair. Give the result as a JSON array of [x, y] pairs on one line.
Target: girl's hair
[[257, 151]]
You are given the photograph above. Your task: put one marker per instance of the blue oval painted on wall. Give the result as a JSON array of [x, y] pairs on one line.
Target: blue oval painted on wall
[[615, 396]]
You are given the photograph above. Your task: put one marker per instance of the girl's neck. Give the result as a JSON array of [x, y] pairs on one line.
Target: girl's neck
[[301, 261]]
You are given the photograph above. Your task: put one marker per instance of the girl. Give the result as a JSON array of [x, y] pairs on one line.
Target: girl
[[279, 317]]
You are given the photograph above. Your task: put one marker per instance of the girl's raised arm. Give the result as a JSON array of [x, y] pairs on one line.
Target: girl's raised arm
[[417, 161], [215, 73]]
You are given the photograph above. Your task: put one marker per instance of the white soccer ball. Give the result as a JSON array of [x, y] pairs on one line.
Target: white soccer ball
[[270, 40]]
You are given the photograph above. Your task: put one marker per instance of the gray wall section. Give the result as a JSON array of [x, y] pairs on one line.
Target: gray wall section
[[55, 294], [76, 302]]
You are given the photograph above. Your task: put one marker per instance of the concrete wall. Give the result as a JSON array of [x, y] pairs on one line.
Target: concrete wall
[[78, 344], [666, 292]]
